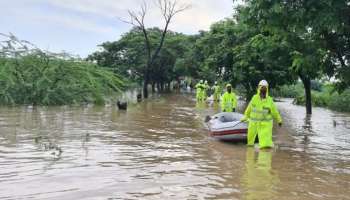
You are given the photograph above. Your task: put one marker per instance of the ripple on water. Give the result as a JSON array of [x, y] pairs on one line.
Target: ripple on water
[[161, 150]]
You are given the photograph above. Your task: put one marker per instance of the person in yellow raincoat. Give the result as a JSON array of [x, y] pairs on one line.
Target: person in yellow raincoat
[[199, 91], [228, 100], [205, 90], [217, 90], [260, 114]]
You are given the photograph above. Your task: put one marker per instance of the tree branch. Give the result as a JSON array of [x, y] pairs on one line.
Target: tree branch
[[169, 9]]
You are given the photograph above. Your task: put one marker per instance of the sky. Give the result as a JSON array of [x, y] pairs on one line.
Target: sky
[[79, 26]]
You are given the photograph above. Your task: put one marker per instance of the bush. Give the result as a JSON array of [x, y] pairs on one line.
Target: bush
[[288, 91], [334, 101], [340, 102], [317, 99], [316, 85], [29, 80], [31, 76]]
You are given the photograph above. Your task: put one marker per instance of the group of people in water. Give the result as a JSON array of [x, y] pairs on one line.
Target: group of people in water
[[259, 114]]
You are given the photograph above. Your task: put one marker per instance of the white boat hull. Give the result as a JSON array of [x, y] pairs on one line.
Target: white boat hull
[[227, 126]]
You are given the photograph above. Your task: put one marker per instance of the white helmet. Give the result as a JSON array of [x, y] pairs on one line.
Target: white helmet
[[206, 81], [263, 83], [201, 81], [216, 82]]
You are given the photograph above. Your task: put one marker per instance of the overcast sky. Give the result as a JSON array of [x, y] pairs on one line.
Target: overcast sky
[[78, 26]]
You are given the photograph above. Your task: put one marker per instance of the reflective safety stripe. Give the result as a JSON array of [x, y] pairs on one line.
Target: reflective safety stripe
[[260, 111], [260, 115], [260, 120]]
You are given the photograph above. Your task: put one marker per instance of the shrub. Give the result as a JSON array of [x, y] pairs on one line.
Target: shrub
[[341, 102], [334, 101], [31, 76], [288, 91]]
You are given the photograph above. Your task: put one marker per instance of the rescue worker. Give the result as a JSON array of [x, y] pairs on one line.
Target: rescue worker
[[205, 91], [228, 100], [260, 114], [216, 88], [199, 90]]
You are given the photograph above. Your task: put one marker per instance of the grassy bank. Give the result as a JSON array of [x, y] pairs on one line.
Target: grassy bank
[[323, 95]]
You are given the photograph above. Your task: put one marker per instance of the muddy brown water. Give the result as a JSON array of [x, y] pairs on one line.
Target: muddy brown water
[[160, 149]]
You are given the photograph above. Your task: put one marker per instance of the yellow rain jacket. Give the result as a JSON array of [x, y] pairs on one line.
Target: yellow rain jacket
[[217, 91], [228, 102], [260, 114], [199, 92], [205, 91]]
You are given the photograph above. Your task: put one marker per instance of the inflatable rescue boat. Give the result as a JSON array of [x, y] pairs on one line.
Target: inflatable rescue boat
[[227, 126]]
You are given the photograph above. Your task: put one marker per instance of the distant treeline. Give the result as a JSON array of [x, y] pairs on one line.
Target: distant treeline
[[280, 41]]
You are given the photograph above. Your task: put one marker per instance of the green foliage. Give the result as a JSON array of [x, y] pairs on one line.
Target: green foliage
[[288, 91], [280, 41], [318, 99], [317, 31], [127, 56], [31, 76], [328, 98], [340, 102]]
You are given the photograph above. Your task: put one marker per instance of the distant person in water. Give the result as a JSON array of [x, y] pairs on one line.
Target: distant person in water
[[205, 91], [199, 91], [260, 114], [217, 92], [228, 100]]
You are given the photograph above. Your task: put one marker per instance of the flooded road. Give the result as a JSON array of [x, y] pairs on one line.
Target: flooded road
[[160, 149]]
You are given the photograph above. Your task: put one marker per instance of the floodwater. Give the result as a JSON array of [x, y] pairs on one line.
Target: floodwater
[[160, 149]]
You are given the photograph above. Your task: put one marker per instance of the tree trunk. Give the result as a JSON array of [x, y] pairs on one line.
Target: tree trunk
[[307, 86], [249, 92], [145, 91], [169, 86], [153, 87], [162, 86], [145, 84], [158, 87]]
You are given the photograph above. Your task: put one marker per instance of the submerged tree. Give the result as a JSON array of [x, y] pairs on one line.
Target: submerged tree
[[126, 56], [168, 8]]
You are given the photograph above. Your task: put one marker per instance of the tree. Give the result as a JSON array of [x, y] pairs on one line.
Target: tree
[[290, 21], [215, 47], [29, 75], [234, 51], [126, 56], [168, 8]]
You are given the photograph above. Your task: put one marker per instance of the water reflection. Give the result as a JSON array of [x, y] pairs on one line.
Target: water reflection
[[258, 180], [317, 135], [201, 105], [160, 149], [216, 106], [307, 130]]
